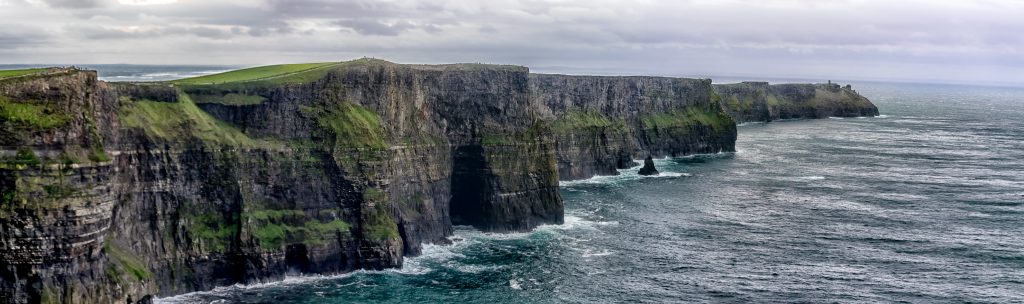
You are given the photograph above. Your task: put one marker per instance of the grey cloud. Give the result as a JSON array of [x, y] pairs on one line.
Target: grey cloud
[[12, 38], [338, 9], [209, 32], [487, 29], [642, 37], [372, 27], [77, 4], [377, 28], [107, 33]]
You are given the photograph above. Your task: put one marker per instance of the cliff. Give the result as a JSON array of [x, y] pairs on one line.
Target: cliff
[[121, 192], [759, 101], [603, 123]]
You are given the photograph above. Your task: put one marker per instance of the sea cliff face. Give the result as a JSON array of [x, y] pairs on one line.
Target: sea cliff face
[[122, 192], [760, 101], [602, 123]]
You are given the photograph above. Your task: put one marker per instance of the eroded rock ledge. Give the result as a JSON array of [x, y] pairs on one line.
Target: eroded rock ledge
[[122, 192]]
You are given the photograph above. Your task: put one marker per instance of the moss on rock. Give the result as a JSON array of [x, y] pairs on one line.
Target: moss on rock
[[687, 117], [178, 122], [378, 224], [578, 120], [353, 126], [126, 261], [33, 116], [274, 228]]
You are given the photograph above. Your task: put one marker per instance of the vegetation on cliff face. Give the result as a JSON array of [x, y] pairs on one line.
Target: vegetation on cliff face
[[177, 122], [839, 98], [688, 117], [32, 116], [125, 262], [378, 224], [577, 120], [353, 126], [212, 231], [274, 228], [24, 158]]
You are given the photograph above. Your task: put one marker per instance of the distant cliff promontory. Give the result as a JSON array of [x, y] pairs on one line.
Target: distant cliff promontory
[[760, 101]]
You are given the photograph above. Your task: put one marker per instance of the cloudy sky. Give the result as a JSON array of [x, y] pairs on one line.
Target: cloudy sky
[[927, 40]]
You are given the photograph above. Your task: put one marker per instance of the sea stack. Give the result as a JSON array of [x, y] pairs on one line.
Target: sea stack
[[648, 168]]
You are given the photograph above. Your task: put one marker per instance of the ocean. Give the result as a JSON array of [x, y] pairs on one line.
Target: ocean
[[924, 204], [135, 72]]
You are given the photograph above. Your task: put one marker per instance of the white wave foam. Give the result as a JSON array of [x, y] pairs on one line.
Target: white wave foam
[[514, 284], [162, 74], [194, 297], [598, 254], [575, 222], [633, 173], [431, 257]]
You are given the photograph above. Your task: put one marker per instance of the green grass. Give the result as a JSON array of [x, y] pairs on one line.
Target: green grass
[[254, 74], [269, 76], [32, 115], [496, 139], [179, 121], [24, 157], [374, 195], [23, 72], [687, 117], [272, 228], [379, 224], [353, 126], [576, 120], [212, 230], [127, 261]]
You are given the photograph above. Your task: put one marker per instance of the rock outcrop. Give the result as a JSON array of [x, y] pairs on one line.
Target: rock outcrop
[[761, 102], [123, 192], [648, 168]]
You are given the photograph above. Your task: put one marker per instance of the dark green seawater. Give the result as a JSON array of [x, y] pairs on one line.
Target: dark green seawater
[[924, 204]]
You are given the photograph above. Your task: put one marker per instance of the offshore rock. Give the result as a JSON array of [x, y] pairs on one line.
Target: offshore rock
[[648, 168]]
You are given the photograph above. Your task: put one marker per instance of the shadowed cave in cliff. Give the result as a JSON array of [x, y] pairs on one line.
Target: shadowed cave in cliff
[[470, 186]]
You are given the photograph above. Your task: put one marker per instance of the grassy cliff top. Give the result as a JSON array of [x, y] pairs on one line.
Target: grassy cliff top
[[579, 77], [21, 72], [307, 72], [257, 73]]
